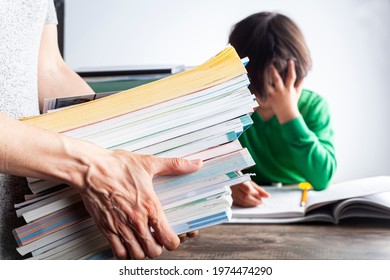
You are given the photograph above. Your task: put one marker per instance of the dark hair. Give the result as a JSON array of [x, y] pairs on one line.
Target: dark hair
[[270, 38]]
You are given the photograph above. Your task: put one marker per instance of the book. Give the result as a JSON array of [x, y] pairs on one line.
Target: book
[[365, 197], [125, 70], [184, 115], [53, 227], [223, 67], [204, 178], [216, 151], [50, 223], [51, 104]]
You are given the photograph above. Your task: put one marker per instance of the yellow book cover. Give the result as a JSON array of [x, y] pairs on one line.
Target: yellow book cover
[[224, 66]]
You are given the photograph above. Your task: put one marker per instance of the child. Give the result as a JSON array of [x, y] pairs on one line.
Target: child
[[291, 139]]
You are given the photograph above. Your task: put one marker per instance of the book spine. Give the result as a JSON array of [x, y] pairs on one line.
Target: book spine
[[49, 224]]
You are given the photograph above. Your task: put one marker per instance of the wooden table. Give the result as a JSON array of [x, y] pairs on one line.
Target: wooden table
[[352, 240]]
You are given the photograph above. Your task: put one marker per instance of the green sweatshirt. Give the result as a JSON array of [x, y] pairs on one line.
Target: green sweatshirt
[[297, 151]]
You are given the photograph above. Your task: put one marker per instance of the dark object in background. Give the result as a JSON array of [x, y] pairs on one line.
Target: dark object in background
[[59, 4]]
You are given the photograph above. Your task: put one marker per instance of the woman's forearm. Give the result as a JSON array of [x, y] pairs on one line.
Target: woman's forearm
[[116, 186], [33, 152]]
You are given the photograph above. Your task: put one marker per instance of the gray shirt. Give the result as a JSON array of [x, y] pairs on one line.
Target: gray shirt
[[21, 25]]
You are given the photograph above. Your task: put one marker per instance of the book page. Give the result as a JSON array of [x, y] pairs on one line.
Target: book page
[[283, 203], [348, 189], [313, 217], [372, 206]]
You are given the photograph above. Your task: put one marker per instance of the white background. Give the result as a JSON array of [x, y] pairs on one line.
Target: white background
[[349, 42], [281, 269]]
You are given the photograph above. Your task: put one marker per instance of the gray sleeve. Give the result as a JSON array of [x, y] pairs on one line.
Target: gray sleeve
[[51, 16]]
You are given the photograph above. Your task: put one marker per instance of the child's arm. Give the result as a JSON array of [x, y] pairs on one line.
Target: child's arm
[[312, 148], [311, 145]]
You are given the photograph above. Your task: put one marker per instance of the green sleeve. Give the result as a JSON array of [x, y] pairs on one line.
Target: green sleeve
[[312, 148]]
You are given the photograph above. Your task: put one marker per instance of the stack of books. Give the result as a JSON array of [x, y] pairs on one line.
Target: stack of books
[[196, 114]]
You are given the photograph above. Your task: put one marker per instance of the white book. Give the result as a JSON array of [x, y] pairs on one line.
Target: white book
[[236, 83], [77, 251], [50, 199], [184, 129], [117, 136], [35, 198], [47, 209], [216, 151], [200, 145], [233, 125], [179, 197], [222, 165], [217, 215], [366, 197], [214, 217], [64, 243], [31, 180], [42, 185], [35, 245], [37, 188], [185, 213]]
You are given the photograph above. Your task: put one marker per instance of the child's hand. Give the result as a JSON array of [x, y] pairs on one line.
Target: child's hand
[[184, 236], [248, 194], [283, 96]]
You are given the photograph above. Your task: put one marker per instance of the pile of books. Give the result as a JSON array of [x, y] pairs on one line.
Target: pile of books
[[196, 114]]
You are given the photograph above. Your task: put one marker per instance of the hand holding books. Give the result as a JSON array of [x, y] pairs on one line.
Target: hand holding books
[[124, 196]]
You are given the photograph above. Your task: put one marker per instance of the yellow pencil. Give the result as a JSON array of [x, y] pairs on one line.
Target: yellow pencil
[[304, 197], [305, 186]]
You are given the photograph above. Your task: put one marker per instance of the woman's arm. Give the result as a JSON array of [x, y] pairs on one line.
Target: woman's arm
[[116, 186], [55, 78]]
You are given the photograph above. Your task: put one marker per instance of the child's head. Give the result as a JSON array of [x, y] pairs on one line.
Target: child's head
[[266, 39]]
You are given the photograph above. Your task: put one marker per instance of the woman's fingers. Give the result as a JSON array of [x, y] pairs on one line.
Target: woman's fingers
[[117, 246], [163, 231], [169, 166], [131, 242]]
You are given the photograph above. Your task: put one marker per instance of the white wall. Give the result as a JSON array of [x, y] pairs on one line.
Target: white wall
[[349, 42]]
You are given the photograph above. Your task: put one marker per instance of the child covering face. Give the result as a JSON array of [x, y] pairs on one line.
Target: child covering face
[[291, 139]]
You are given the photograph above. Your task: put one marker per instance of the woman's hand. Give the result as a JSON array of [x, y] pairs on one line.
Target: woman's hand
[[119, 195], [248, 194], [283, 96], [116, 186]]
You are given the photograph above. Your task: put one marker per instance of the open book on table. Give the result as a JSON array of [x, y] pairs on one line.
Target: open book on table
[[361, 198]]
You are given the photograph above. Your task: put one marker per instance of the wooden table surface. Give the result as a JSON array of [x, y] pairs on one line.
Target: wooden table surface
[[352, 240]]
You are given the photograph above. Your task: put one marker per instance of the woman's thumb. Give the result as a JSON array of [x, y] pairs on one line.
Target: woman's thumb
[[176, 166]]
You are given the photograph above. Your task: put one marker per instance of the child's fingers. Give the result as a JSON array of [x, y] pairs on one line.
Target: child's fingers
[[246, 201], [242, 199], [238, 198], [291, 74], [192, 234], [252, 200], [262, 192], [276, 80], [245, 188]]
